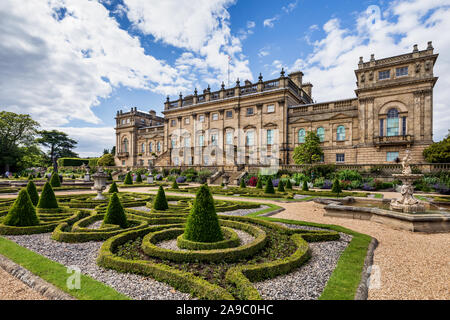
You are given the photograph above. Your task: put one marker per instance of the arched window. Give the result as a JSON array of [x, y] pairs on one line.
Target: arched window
[[143, 148], [250, 138], [321, 133], [392, 128], [340, 133], [150, 147], [125, 145], [301, 136], [158, 146], [174, 141]]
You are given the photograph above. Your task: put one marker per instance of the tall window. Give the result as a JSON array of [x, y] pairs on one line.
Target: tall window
[[381, 127], [321, 134], [174, 142], [404, 126], [214, 139], [215, 116], [301, 136], [392, 123], [201, 140], [125, 145], [187, 142], [201, 118], [229, 114], [229, 137], [143, 148], [250, 138], [158, 146], [340, 133], [150, 147], [173, 123], [270, 137]]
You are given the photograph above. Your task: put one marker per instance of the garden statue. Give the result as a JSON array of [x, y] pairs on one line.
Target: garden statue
[[99, 183], [406, 163]]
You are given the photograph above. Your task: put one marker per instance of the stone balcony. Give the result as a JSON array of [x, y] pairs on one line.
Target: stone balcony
[[393, 140], [121, 155]]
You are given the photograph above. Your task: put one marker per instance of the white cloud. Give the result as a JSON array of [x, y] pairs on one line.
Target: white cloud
[[270, 22], [405, 23], [251, 24], [290, 7], [263, 52]]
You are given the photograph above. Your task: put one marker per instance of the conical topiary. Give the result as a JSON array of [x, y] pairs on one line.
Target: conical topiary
[[160, 202], [22, 212], [336, 188], [30, 177], [280, 186], [128, 179], [242, 184], [138, 178], [269, 187], [202, 224], [39, 175], [54, 180], [48, 199], [73, 177], [259, 184], [115, 214], [113, 188], [175, 184], [289, 184], [305, 186], [32, 192], [110, 178]]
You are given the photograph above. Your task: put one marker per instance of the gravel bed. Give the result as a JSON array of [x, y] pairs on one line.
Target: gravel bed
[[300, 196], [83, 256], [95, 225], [308, 281], [239, 212], [296, 226]]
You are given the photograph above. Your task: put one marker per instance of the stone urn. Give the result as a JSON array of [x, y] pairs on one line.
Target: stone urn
[[225, 181], [99, 183]]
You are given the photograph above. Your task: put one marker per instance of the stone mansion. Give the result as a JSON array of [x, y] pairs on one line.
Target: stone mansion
[[261, 123]]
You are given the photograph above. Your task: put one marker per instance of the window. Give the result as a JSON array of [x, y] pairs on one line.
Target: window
[[186, 120], [214, 139], [381, 127], [201, 139], [123, 121], [383, 75], [205, 160], [229, 114], [391, 156], [123, 162], [187, 142], [392, 123], [270, 137], [340, 133], [158, 147], [401, 72], [249, 111], [301, 136], [229, 138], [143, 148], [270, 108], [125, 145], [201, 118], [340, 157], [321, 134], [174, 142], [173, 123], [215, 116], [175, 161], [250, 138], [150, 147], [128, 120], [404, 126]]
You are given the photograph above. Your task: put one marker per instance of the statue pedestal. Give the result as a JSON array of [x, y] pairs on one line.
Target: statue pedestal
[[407, 203], [150, 179]]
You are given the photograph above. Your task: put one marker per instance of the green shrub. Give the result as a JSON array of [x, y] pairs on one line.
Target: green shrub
[[107, 160], [288, 184], [349, 175], [48, 199], [22, 212], [336, 188], [113, 188], [128, 179], [175, 184], [39, 175], [115, 214], [160, 202], [138, 178], [54, 180], [259, 184], [202, 224], [32, 192], [110, 178], [30, 177], [269, 187], [242, 183], [72, 162], [305, 186], [73, 177], [280, 186]]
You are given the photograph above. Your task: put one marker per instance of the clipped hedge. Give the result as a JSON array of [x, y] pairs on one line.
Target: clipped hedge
[[231, 240], [72, 162]]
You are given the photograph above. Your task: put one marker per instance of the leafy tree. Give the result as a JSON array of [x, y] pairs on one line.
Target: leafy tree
[[59, 144], [54, 180], [336, 188], [242, 184], [310, 151], [202, 224], [48, 199], [17, 131], [128, 179], [269, 187], [113, 188], [115, 214], [107, 160], [160, 202], [438, 152], [32, 192], [22, 212], [105, 151], [113, 150]]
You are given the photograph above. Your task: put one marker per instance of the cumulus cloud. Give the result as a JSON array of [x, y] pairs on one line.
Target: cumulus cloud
[[393, 32], [270, 21]]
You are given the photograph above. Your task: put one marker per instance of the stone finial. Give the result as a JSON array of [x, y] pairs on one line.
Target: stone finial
[[416, 48], [372, 57], [195, 92], [181, 96], [260, 78], [430, 45], [282, 72], [238, 83], [167, 99], [222, 86], [361, 61], [208, 89]]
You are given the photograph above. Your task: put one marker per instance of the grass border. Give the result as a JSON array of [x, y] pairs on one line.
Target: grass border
[[56, 273]]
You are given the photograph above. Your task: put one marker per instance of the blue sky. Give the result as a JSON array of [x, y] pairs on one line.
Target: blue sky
[[74, 63]]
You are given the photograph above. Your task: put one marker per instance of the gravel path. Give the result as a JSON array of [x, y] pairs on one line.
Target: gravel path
[[83, 256], [308, 281], [12, 288], [239, 212]]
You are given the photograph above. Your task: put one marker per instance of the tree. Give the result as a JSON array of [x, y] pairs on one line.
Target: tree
[[202, 224], [269, 187], [113, 188], [128, 179], [259, 183], [32, 192], [289, 184], [115, 214], [160, 202], [105, 151], [242, 185], [16, 132], [113, 150], [175, 184], [48, 199], [310, 151], [305, 186], [54, 180], [107, 160], [138, 177], [438, 152], [280, 186], [336, 188], [59, 144], [22, 212]]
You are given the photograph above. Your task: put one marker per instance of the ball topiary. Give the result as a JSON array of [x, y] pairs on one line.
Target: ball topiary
[[54, 180], [289, 184], [280, 186], [138, 178], [202, 224], [113, 188], [160, 202], [32, 192], [259, 184], [128, 179], [115, 214], [175, 184], [242, 183], [269, 187], [48, 199], [305, 186], [22, 212], [336, 188]]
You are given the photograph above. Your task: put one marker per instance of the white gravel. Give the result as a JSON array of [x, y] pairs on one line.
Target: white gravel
[[239, 212]]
